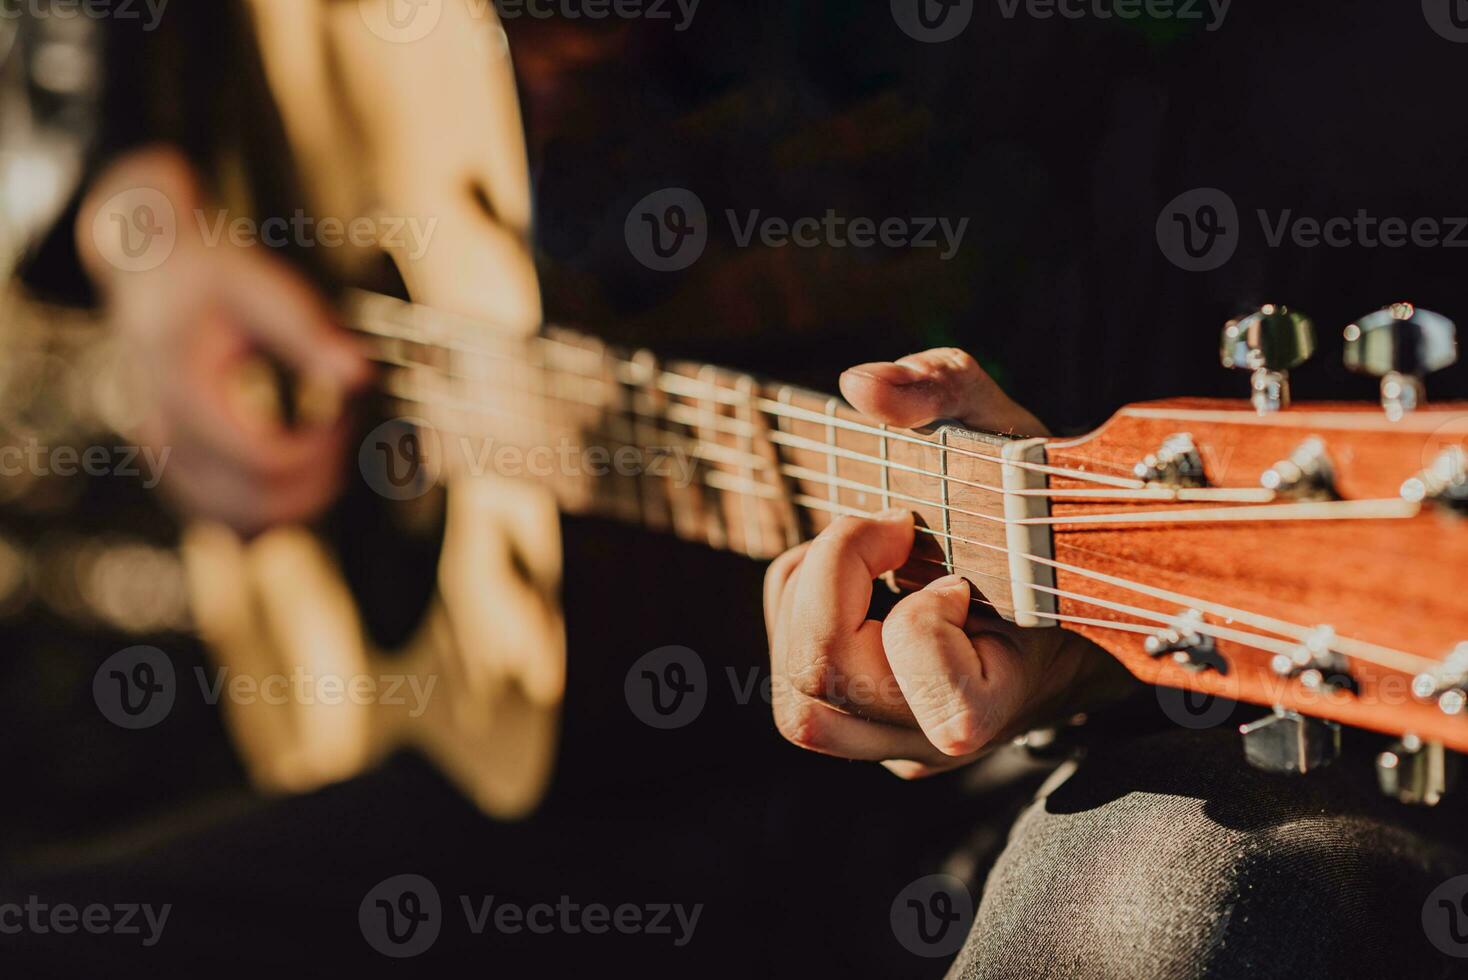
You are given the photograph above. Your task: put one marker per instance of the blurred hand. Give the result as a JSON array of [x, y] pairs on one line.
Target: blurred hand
[[196, 313], [935, 684]]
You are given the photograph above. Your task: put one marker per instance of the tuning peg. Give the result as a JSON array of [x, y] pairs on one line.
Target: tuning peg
[[1268, 342], [1415, 772], [1286, 741], [1401, 345]]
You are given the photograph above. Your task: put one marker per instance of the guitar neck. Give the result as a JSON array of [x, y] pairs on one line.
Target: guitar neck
[[712, 455]]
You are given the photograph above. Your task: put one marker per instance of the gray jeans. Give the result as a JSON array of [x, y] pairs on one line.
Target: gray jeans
[[1163, 855]]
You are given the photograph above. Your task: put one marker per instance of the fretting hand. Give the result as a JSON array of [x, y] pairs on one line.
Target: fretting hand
[[936, 683]]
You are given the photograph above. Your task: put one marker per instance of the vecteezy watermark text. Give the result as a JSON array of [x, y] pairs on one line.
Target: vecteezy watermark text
[[411, 236], [40, 918], [407, 21], [136, 688], [1210, 13], [668, 230], [91, 9], [137, 230], [402, 917], [1200, 229], [937, 21], [403, 459], [33, 458]]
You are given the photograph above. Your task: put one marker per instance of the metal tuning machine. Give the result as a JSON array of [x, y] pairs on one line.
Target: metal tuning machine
[[1288, 742], [1447, 683], [1269, 342], [1176, 463], [1306, 475], [1401, 345], [1415, 772], [1316, 666], [1188, 647], [1444, 481]]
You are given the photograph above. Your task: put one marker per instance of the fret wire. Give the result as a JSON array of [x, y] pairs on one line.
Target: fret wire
[[943, 484], [753, 516], [886, 472], [708, 408], [784, 396], [646, 364], [832, 405]]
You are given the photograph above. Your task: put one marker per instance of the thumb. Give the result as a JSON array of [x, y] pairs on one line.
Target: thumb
[[943, 383]]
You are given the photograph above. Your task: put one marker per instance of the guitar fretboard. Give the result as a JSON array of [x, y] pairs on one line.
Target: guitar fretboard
[[715, 456]]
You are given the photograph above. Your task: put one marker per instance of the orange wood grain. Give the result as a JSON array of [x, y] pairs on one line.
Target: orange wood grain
[[1402, 584]]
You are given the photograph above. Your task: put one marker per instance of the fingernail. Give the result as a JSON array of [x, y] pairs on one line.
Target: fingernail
[[893, 514], [951, 583], [888, 372]]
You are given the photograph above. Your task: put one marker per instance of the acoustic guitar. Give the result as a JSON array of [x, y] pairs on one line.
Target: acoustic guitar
[[1302, 557], [1305, 558]]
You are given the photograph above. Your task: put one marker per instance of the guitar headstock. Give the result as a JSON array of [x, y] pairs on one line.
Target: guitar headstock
[[1309, 557]]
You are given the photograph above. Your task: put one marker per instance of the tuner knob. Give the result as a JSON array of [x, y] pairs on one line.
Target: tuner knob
[[1286, 741], [1269, 343], [1415, 772], [1401, 345]]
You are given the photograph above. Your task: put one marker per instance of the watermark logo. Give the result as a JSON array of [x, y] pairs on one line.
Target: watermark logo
[[932, 21], [135, 688], [1194, 709], [1445, 917], [401, 917], [401, 21], [932, 916], [1449, 18], [1198, 230], [136, 230], [667, 230], [667, 688], [400, 459]]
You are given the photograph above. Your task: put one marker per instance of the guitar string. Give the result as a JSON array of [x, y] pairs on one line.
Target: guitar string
[[676, 384], [601, 355], [1370, 509], [1359, 650], [1356, 649], [1378, 509]]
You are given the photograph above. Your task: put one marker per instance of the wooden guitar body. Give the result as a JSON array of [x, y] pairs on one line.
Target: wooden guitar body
[[423, 134]]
